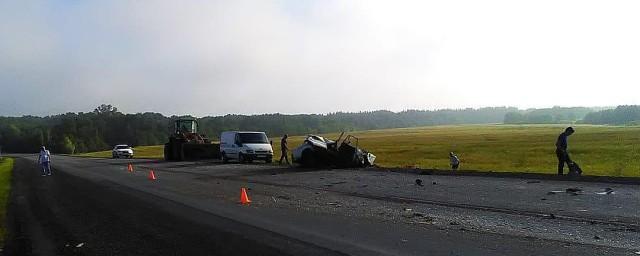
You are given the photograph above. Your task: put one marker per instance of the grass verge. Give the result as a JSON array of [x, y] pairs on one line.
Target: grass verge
[[6, 165]]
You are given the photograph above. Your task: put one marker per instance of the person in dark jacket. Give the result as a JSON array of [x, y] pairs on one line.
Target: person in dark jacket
[[561, 149], [284, 149]]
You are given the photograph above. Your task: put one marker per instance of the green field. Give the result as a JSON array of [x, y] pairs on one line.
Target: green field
[[6, 165], [600, 150]]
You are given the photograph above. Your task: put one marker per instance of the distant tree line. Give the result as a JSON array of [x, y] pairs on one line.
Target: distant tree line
[[555, 115], [105, 127], [81, 132], [621, 115]]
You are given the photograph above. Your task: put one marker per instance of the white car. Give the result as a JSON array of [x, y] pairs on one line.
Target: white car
[[122, 151], [245, 146]]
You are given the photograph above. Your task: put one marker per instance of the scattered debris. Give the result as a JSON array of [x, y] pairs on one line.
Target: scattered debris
[[334, 204], [79, 245], [274, 199], [533, 181], [596, 237], [418, 214], [553, 192], [607, 191], [573, 190], [404, 240], [453, 223], [549, 216], [408, 209], [419, 182]]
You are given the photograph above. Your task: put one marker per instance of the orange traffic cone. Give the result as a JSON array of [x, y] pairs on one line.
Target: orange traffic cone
[[130, 168], [244, 198], [152, 176]]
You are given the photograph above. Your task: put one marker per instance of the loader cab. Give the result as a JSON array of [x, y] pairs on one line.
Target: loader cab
[[186, 143], [186, 126]]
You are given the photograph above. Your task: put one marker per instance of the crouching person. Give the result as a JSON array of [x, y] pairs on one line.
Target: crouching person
[[454, 161]]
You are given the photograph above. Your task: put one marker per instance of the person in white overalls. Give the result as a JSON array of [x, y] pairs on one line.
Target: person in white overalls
[[44, 159]]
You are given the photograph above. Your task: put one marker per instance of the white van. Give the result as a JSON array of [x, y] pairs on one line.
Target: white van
[[245, 146]]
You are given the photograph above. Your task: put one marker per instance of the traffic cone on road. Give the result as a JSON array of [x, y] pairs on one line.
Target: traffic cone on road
[[130, 168], [244, 198], [152, 176]]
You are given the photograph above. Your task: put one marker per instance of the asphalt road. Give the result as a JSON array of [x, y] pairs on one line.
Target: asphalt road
[[96, 207]]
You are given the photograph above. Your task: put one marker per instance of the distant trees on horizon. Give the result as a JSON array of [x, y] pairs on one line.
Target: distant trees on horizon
[[106, 126], [555, 115]]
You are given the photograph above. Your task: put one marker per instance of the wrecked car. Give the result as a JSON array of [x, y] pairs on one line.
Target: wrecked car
[[320, 151]]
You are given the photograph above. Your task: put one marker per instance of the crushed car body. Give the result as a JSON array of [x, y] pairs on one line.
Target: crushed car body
[[320, 151]]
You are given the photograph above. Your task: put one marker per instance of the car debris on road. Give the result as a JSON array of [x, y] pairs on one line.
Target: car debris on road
[[573, 190], [320, 151], [607, 191]]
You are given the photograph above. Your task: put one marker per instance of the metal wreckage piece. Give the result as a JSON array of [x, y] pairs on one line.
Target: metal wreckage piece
[[320, 151]]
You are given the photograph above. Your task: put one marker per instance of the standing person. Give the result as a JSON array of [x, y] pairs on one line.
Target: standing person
[[561, 149], [44, 159], [455, 162], [284, 149]]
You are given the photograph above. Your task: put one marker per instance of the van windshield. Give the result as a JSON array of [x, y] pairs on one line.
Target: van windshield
[[253, 138]]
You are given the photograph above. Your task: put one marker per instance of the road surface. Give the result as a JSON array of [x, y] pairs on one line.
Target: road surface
[[96, 207]]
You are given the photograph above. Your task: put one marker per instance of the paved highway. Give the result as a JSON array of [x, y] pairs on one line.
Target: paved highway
[[96, 207]]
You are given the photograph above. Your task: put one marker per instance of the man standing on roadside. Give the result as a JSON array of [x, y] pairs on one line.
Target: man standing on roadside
[[284, 149], [561, 149], [44, 158]]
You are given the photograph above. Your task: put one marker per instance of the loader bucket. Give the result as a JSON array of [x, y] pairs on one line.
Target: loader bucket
[[201, 151]]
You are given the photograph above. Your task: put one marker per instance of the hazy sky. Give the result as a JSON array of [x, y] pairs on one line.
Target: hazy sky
[[218, 57]]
